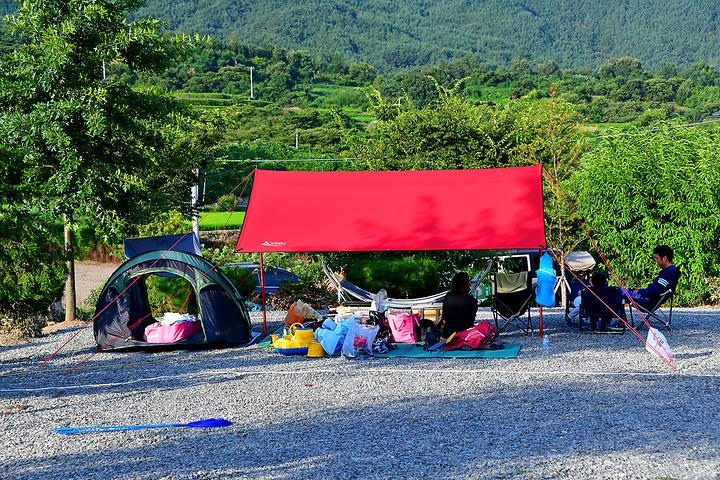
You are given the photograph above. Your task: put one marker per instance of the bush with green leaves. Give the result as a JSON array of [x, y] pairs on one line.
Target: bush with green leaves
[[32, 271], [86, 311], [242, 278], [402, 276], [644, 189], [21, 323], [170, 294], [714, 290], [311, 288], [226, 203], [165, 223]]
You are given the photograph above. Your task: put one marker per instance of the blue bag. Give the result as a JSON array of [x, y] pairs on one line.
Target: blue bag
[[331, 338], [546, 278]]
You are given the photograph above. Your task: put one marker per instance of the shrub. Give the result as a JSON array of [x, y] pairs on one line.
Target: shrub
[[405, 277], [714, 290], [242, 278], [652, 188], [86, 311], [32, 273], [20, 322], [166, 223], [170, 294], [318, 296], [226, 203]]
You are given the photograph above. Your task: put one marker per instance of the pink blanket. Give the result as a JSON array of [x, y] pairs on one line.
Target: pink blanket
[[157, 333]]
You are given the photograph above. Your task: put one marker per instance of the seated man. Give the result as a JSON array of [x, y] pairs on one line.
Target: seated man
[[666, 280]]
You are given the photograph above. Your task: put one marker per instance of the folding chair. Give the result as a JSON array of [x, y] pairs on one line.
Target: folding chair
[[599, 312], [576, 287], [578, 266], [513, 294], [652, 311]]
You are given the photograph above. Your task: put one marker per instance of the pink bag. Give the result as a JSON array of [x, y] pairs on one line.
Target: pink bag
[[404, 327], [157, 333]]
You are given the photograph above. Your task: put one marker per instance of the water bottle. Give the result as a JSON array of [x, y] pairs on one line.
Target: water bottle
[[546, 342]]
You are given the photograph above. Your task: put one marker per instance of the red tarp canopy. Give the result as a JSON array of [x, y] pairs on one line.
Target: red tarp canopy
[[490, 209]]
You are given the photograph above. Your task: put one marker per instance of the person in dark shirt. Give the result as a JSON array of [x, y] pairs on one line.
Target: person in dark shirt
[[459, 307], [666, 280]]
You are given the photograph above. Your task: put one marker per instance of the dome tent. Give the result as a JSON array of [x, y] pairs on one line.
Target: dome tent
[[123, 302]]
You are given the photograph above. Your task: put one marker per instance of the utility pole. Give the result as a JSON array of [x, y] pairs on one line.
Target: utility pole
[[194, 201], [252, 92]]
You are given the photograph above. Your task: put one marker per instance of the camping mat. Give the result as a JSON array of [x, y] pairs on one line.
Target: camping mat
[[509, 350], [409, 350], [253, 336]]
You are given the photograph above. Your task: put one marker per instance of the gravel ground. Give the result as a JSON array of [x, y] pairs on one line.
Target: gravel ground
[[591, 406]]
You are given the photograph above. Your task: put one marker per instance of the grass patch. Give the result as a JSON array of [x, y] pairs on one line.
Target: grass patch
[[221, 220], [355, 113]]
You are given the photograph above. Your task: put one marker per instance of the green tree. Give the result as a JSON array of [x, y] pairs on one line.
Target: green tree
[[83, 145], [639, 191], [625, 67], [361, 73]]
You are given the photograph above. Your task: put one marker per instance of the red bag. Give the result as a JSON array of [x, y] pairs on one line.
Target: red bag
[[476, 338]]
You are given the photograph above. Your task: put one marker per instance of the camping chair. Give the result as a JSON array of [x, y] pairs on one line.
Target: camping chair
[[578, 266], [576, 287], [599, 312], [652, 311], [513, 294]]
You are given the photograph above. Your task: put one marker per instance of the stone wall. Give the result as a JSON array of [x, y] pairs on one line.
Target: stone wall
[[219, 238]]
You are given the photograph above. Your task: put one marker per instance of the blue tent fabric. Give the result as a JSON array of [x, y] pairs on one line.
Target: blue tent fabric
[[546, 278], [186, 242]]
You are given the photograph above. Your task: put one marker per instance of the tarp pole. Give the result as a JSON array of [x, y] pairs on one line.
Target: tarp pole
[[541, 311], [262, 294]]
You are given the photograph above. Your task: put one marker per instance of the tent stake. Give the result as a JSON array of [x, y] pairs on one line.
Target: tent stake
[[262, 293]]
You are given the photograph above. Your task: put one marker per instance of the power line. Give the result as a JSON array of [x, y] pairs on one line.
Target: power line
[[239, 160]]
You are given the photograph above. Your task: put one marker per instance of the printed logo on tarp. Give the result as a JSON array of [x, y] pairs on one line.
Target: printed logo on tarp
[[268, 243]]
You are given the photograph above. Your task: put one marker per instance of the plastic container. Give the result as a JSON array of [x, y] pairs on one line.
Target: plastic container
[[546, 342]]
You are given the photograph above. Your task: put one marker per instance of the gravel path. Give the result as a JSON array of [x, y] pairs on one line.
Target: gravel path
[[592, 406]]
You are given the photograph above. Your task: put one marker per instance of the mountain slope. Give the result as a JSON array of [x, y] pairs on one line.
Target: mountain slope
[[401, 33]]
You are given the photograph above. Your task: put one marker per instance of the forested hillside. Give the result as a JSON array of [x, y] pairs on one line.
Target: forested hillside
[[397, 34], [394, 34]]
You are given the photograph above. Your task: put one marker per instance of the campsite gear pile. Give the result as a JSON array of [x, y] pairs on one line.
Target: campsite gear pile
[[358, 333]]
